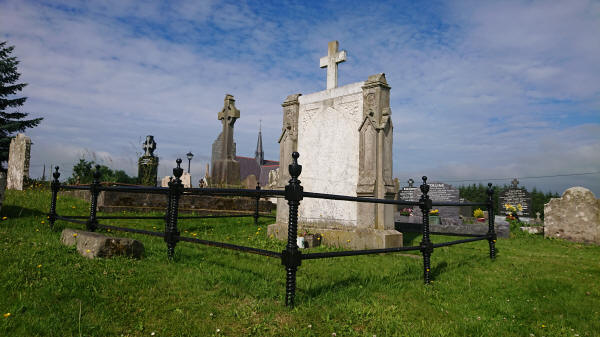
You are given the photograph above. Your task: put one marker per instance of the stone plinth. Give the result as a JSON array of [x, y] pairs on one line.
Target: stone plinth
[[147, 170], [574, 217], [18, 162]]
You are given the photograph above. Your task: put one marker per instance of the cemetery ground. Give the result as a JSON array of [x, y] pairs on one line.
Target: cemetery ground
[[535, 287]]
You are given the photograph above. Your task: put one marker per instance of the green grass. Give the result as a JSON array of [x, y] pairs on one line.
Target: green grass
[[535, 286]]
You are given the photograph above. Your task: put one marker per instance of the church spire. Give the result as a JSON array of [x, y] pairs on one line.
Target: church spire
[[259, 154]]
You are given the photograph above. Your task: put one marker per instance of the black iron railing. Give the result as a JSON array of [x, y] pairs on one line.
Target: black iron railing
[[291, 257]]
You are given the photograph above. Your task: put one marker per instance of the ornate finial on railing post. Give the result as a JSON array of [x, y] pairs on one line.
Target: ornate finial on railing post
[[426, 244], [175, 191], [92, 222], [291, 257], [54, 186], [257, 204], [492, 237]]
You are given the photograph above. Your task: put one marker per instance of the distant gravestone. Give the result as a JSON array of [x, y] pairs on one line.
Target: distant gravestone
[[186, 180], [575, 216], [225, 169], [514, 196], [148, 163], [18, 162], [409, 193], [443, 193]]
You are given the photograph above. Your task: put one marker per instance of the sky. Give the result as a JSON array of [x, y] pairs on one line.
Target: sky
[[481, 90]]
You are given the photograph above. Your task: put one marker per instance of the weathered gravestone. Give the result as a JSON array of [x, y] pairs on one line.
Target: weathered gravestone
[[18, 162], [148, 163], [344, 136], [514, 196], [186, 180], [575, 216], [225, 169]]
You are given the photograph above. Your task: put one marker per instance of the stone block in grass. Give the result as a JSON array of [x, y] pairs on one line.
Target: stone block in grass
[[93, 245]]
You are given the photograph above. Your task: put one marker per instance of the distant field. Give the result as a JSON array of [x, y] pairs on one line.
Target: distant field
[[535, 287]]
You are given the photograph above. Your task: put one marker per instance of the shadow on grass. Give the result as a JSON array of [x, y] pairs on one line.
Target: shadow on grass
[[12, 211]]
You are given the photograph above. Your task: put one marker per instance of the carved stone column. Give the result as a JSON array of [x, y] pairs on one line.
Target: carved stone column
[[375, 154], [288, 143]]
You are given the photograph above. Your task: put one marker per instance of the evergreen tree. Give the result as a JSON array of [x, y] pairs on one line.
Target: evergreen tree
[[13, 121]]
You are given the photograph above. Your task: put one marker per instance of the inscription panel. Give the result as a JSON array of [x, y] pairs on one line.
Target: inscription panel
[[515, 196]]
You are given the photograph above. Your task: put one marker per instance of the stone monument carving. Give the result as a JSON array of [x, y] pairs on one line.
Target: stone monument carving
[[148, 163], [18, 162], [225, 169], [344, 137]]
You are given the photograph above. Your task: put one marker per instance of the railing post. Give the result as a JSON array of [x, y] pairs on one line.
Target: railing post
[[92, 222], [491, 230], [175, 191], [257, 204], [55, 186], [291, 257], [426, 244]]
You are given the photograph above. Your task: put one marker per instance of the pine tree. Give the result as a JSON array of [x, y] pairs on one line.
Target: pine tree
[[11, 122]]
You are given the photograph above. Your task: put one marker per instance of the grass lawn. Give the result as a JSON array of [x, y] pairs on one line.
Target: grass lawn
[[535, 287]]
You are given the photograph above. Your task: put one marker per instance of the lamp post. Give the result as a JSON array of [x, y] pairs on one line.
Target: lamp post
[[189, 155]]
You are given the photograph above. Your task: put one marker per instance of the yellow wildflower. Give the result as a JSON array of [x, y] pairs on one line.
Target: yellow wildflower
[[74, 235], [348, 240], [194, 234], [256, 233], [39, 266], [37, 230], [4, 218], [43, 221], [6, 315], [73, 207], [88, 251]]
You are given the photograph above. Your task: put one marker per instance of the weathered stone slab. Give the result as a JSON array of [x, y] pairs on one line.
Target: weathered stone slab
[[575, 216], [93, 245], [18, 162]]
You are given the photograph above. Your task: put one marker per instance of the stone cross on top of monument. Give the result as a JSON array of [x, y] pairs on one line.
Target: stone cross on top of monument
[[515, 183], [331, 63]]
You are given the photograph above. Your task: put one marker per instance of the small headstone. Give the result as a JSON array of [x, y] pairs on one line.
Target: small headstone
[[148, 163], [186, 180], [409, 193], [93, 245], [165, 181], [249, 182], [514, 196], [575, 216], [18, 162]]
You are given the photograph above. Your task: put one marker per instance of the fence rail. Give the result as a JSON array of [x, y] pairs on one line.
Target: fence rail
[[291, 257]]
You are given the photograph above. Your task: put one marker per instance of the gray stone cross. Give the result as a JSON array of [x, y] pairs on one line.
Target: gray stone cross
[[515, 182], [331, 63]]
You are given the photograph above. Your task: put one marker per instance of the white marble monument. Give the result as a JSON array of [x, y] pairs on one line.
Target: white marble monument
[[344, 137]]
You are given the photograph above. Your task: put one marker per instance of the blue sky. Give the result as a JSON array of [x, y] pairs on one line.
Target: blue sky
[[479, 89]]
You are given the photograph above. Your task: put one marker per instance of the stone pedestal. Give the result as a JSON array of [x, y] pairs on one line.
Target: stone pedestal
[[18, 162], [147, 170]]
